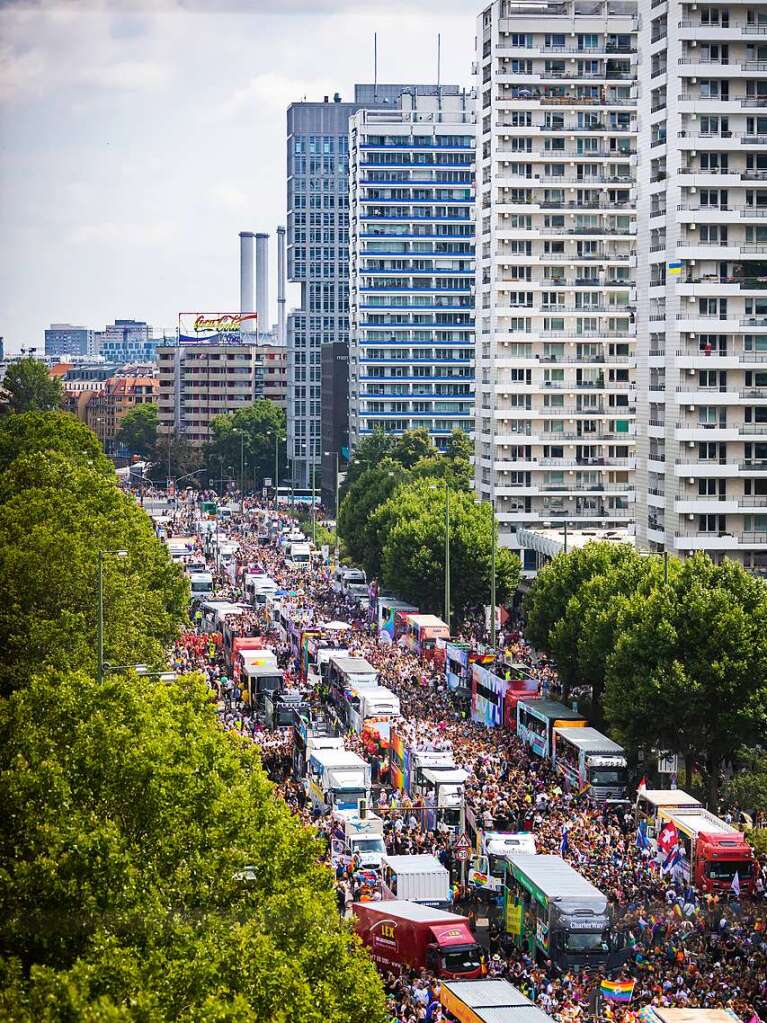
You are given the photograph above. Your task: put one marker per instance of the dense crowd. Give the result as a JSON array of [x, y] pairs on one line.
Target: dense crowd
[[686, 949]]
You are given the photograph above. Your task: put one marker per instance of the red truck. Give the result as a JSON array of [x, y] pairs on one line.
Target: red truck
[[401, 933]]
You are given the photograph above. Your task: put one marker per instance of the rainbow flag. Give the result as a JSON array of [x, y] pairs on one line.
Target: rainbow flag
[[617, 990]]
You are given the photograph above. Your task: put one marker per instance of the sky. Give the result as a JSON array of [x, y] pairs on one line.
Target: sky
[[138, 138]]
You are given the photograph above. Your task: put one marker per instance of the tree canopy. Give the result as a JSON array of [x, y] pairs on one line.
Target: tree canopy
[[151, 875], [54, 518], [138, 429], [29, 387], [688, 672], [412, 522], [61, 432], [363, 536], [248, 436], [149, 872]]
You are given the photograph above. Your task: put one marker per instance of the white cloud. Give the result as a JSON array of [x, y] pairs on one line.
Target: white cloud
[[126, 74], [111, 233]]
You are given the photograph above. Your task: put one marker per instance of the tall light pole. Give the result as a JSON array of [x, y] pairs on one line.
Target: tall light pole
[[242, 471], [447, 554], [100, 620], [492, 577]]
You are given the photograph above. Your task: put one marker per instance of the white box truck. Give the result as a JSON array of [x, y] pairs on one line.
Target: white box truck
[[420, 878]]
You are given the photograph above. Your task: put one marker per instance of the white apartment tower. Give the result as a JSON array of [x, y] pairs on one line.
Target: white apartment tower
[[702, 253], [556, 265], [411, 295]]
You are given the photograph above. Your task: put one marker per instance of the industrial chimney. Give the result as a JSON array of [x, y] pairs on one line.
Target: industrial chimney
[[247, 274], [281, 286], [262, 282]]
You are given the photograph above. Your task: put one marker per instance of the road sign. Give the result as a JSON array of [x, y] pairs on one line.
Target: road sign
[[461, 853], [462, 842]]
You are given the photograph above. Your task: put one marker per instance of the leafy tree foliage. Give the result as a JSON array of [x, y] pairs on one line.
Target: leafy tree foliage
[[138, 429], [55, 515], [62, 432], [412, 446], [559, 581], [689, 669], [369, 453], [249, 434], [747, 788], [363, 537], [183, 458], [150, 874], [29, 388], [583, 637], [413, 558]]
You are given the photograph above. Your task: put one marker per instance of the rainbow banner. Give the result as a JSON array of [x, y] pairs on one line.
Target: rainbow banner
[[617, 990]]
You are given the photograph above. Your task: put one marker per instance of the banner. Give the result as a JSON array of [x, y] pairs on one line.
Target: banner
[[218, 328]]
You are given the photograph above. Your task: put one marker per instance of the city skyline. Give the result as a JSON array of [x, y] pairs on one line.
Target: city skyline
[[110, 206]]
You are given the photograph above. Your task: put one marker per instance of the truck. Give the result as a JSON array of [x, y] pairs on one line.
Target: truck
[[537, 719], [201, 584], [554, 913], [488, 1001], [299, 554], [442, 790], [649, 802], [711, 851], [377, 707], [408, 935], [418, 878], [360, 838], [422, 633], [312, 731], [487, 873], [592, 763], [280, 709], [260, 680], [337, 779]]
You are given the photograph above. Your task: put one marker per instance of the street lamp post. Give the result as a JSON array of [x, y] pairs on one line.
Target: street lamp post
[[492, 578], [100, 620], [447, 554]]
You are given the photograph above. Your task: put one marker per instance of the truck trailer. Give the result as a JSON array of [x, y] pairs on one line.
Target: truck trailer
[[409, 935], [419, 878]]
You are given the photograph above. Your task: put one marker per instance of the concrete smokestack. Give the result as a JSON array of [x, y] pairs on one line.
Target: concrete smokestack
[[262, 282], [247, 272], [281, 285]]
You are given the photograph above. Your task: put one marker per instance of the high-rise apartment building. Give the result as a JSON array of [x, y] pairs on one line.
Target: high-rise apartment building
[[318, 254], [556, 264], [64, 339], [411, 360], [702, 267]]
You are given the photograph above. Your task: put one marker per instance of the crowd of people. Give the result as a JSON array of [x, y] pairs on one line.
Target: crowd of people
[[686, 949]]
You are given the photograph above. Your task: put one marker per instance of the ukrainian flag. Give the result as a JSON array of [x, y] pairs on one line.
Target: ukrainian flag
[[675, 267], [617, 990]]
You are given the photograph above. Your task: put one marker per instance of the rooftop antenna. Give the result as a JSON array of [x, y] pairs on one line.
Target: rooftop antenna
[[375, 67], [439, 70]]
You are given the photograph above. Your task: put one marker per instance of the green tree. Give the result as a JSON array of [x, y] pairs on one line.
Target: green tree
[[54, 517], [149, 873], [52, 431], [583, 637], [688, 672], [747, 788], [460, 447], [138, 429], [247, 438], [369, 453], [28, 387], [560, 580], [184, 458], [363, 537], [413, 524], [412, 446]]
